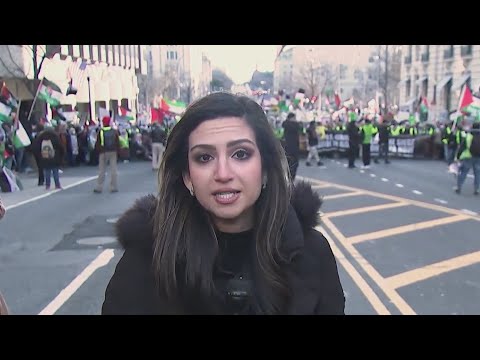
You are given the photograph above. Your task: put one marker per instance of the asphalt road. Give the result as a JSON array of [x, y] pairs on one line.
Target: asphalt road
[[405, 242]]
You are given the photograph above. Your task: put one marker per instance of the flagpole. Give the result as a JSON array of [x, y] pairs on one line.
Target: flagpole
[[15, 121], [459, 104], [35, 100]]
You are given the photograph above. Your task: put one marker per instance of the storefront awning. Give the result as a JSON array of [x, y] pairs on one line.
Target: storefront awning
[[443, 82], [409, 103], [458, 82], [402, 82], [422, 79]]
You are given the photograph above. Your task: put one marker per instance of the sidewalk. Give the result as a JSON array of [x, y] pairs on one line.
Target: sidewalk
[[69, 178]]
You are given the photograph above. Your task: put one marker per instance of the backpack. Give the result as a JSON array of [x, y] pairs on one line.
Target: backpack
[[475, 146], [109, 140], [47, 150]]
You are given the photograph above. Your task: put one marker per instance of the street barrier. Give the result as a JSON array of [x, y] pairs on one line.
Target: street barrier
[[403, 146]]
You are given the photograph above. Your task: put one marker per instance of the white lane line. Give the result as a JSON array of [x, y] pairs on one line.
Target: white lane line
[[50, 193], [441, 201], [469, 212], [399, 185], [384, 179], [470, 175], [101, 260], [373, 175], [362, 171], [345, 165], [417, 192]]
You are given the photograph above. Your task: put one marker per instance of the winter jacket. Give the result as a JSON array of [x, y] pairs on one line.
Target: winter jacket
[[312, 274]]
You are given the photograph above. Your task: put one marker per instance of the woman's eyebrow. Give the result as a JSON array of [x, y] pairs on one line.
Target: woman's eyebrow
[[229, 144]]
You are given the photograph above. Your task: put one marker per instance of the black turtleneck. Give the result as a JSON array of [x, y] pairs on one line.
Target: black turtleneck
[[234, 268], [234, 251]]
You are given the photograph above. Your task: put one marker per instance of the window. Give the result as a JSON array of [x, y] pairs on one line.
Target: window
[[52, 50], [448, 52], [113, 50], [93, 52], [407, 88], [425, 88], [119, 55], [86, 52], [103, 53]]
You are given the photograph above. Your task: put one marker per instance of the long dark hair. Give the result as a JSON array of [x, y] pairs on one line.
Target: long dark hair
[[185, 243]]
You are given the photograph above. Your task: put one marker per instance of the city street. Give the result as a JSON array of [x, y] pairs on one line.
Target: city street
[[405, 242]]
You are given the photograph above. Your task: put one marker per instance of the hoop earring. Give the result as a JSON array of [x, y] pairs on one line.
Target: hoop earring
[[192, 191]]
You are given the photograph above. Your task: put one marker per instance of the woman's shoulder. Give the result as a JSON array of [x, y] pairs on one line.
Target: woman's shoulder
[[134, 229], [317, 244]]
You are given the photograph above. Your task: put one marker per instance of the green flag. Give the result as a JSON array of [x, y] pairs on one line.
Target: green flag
[[50, 93]]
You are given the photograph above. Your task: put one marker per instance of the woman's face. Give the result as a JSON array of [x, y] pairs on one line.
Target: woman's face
[[225, 171]]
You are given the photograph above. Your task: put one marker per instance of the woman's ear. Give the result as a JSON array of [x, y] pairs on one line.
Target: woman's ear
[[187, 181]]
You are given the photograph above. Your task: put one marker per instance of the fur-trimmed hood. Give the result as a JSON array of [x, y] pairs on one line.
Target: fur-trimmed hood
[[135, 226]]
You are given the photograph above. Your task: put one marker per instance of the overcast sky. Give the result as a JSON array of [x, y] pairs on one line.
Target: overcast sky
[[239, 61]]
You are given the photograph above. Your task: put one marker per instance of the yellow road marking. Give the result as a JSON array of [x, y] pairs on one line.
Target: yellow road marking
[[406, 228], [389, 285], [337, 196], [402, 306], [365, 209], [412, 276], [396, 198], [321, 186], [356, 277]]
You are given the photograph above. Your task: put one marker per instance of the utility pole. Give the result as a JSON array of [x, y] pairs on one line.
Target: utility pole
[[386, 79], [90, 101]]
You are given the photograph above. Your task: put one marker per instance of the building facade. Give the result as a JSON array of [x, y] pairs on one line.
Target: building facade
[[105, 76], [333, 65], [438, 72], [182, 72]]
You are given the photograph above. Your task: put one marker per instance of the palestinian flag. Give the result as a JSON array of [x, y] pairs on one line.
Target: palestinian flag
[[50, 93], [338, 101], [7, 97], [173, 106], [468, 103], [5, 112], [423, 105], [127, 114], [282, 105]]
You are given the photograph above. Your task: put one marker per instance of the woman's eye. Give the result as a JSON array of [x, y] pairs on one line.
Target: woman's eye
[[241, 155], [204, 158]]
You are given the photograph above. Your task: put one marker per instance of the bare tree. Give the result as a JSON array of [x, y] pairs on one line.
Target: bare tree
[[38, 55], [385, 73], [315, 80], [309, 79]]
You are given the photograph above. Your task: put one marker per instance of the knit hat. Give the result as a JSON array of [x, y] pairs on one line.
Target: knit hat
[[106, 121]]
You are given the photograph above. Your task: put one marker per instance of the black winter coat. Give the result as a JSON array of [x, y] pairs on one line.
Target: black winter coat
[[313, 278], [57, 146]]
